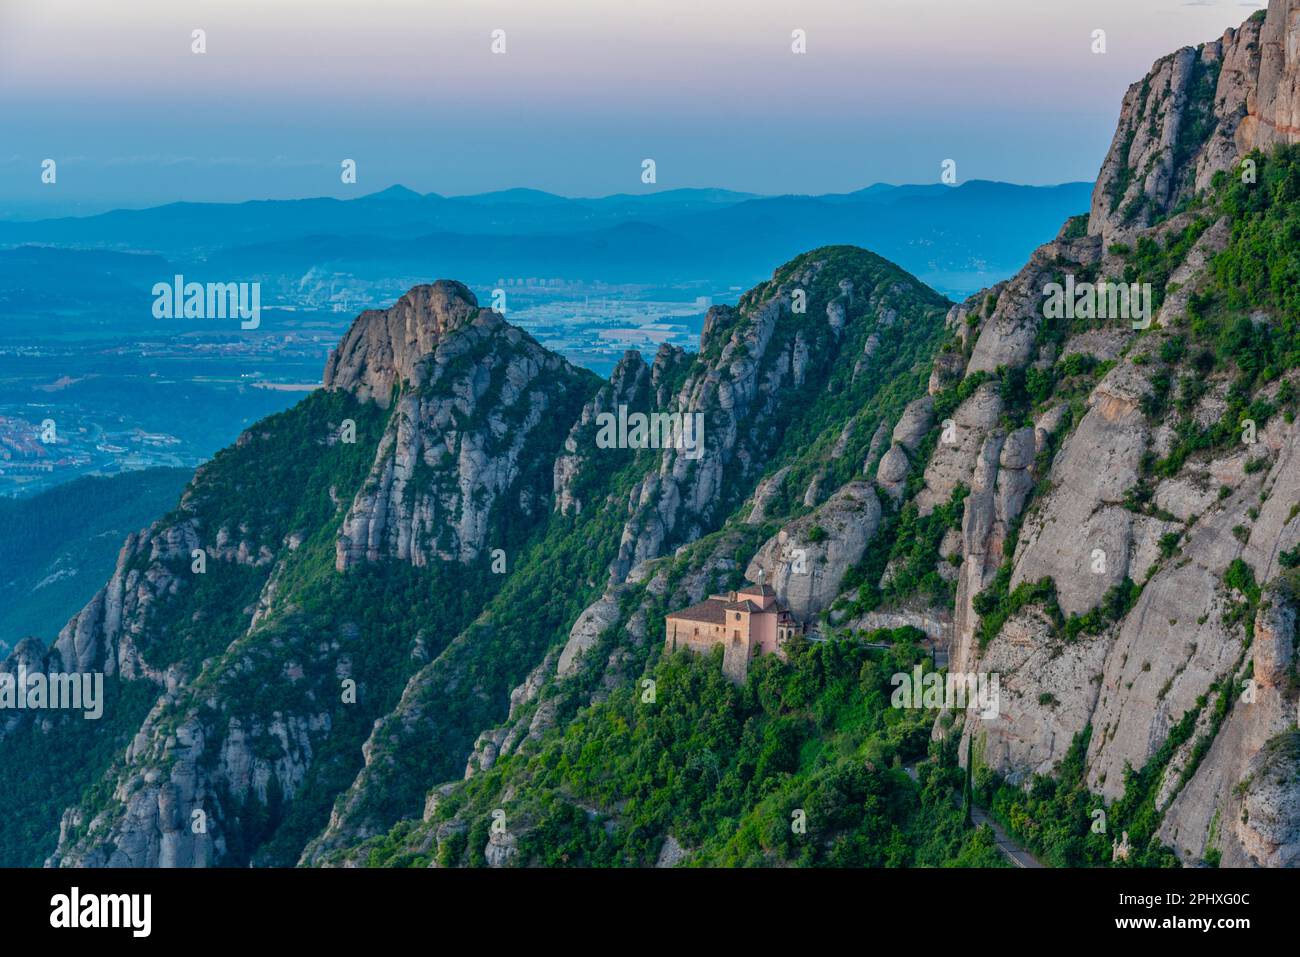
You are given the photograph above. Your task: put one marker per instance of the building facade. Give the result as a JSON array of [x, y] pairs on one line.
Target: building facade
[[747, 623]]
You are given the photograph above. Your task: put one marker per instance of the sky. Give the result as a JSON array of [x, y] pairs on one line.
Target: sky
[[584, 92]]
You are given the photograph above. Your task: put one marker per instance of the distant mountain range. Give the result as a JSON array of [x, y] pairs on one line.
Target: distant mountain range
[[957, 238]]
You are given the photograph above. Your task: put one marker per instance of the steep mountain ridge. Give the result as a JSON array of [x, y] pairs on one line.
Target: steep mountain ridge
[[446, 477], [766, 379], [1198, 111], [472, 432], [1152, 526], [234, 562], [1101, 513]]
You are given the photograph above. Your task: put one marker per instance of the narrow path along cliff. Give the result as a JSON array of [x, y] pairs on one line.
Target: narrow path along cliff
[[1011, 849]]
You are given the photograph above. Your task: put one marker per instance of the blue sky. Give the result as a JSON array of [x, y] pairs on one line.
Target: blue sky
[[887, 90]]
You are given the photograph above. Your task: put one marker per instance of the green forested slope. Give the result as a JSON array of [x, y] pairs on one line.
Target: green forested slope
[[58, 547]]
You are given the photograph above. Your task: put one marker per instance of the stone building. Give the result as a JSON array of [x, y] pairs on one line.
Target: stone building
[[747, 623]]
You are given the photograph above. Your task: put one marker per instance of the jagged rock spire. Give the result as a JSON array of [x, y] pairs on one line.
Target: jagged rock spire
[[385, 347], [1199, 111]]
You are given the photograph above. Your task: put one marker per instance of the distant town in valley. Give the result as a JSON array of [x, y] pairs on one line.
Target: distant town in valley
[[71, 407]]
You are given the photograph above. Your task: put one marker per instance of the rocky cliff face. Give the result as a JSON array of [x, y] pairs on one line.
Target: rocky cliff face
[[471, 434], [173, 634], [752, 359], [755, 360], [1067, 501], [440, 425], [1200, 111], [633, 387], [387, 348], [1121, 509], [807, 560]]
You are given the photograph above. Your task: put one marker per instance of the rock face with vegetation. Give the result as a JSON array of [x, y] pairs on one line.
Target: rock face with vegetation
[[1199, 111], [807, 560], [431, 560], [1139, 613], [777, 389], [1105, 515], [469, 448]]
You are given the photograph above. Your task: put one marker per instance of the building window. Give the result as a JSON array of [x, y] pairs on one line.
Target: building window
[[737, 616]]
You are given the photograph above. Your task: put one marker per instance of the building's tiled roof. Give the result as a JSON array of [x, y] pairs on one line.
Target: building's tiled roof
[[713, 610], [710, 611]]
